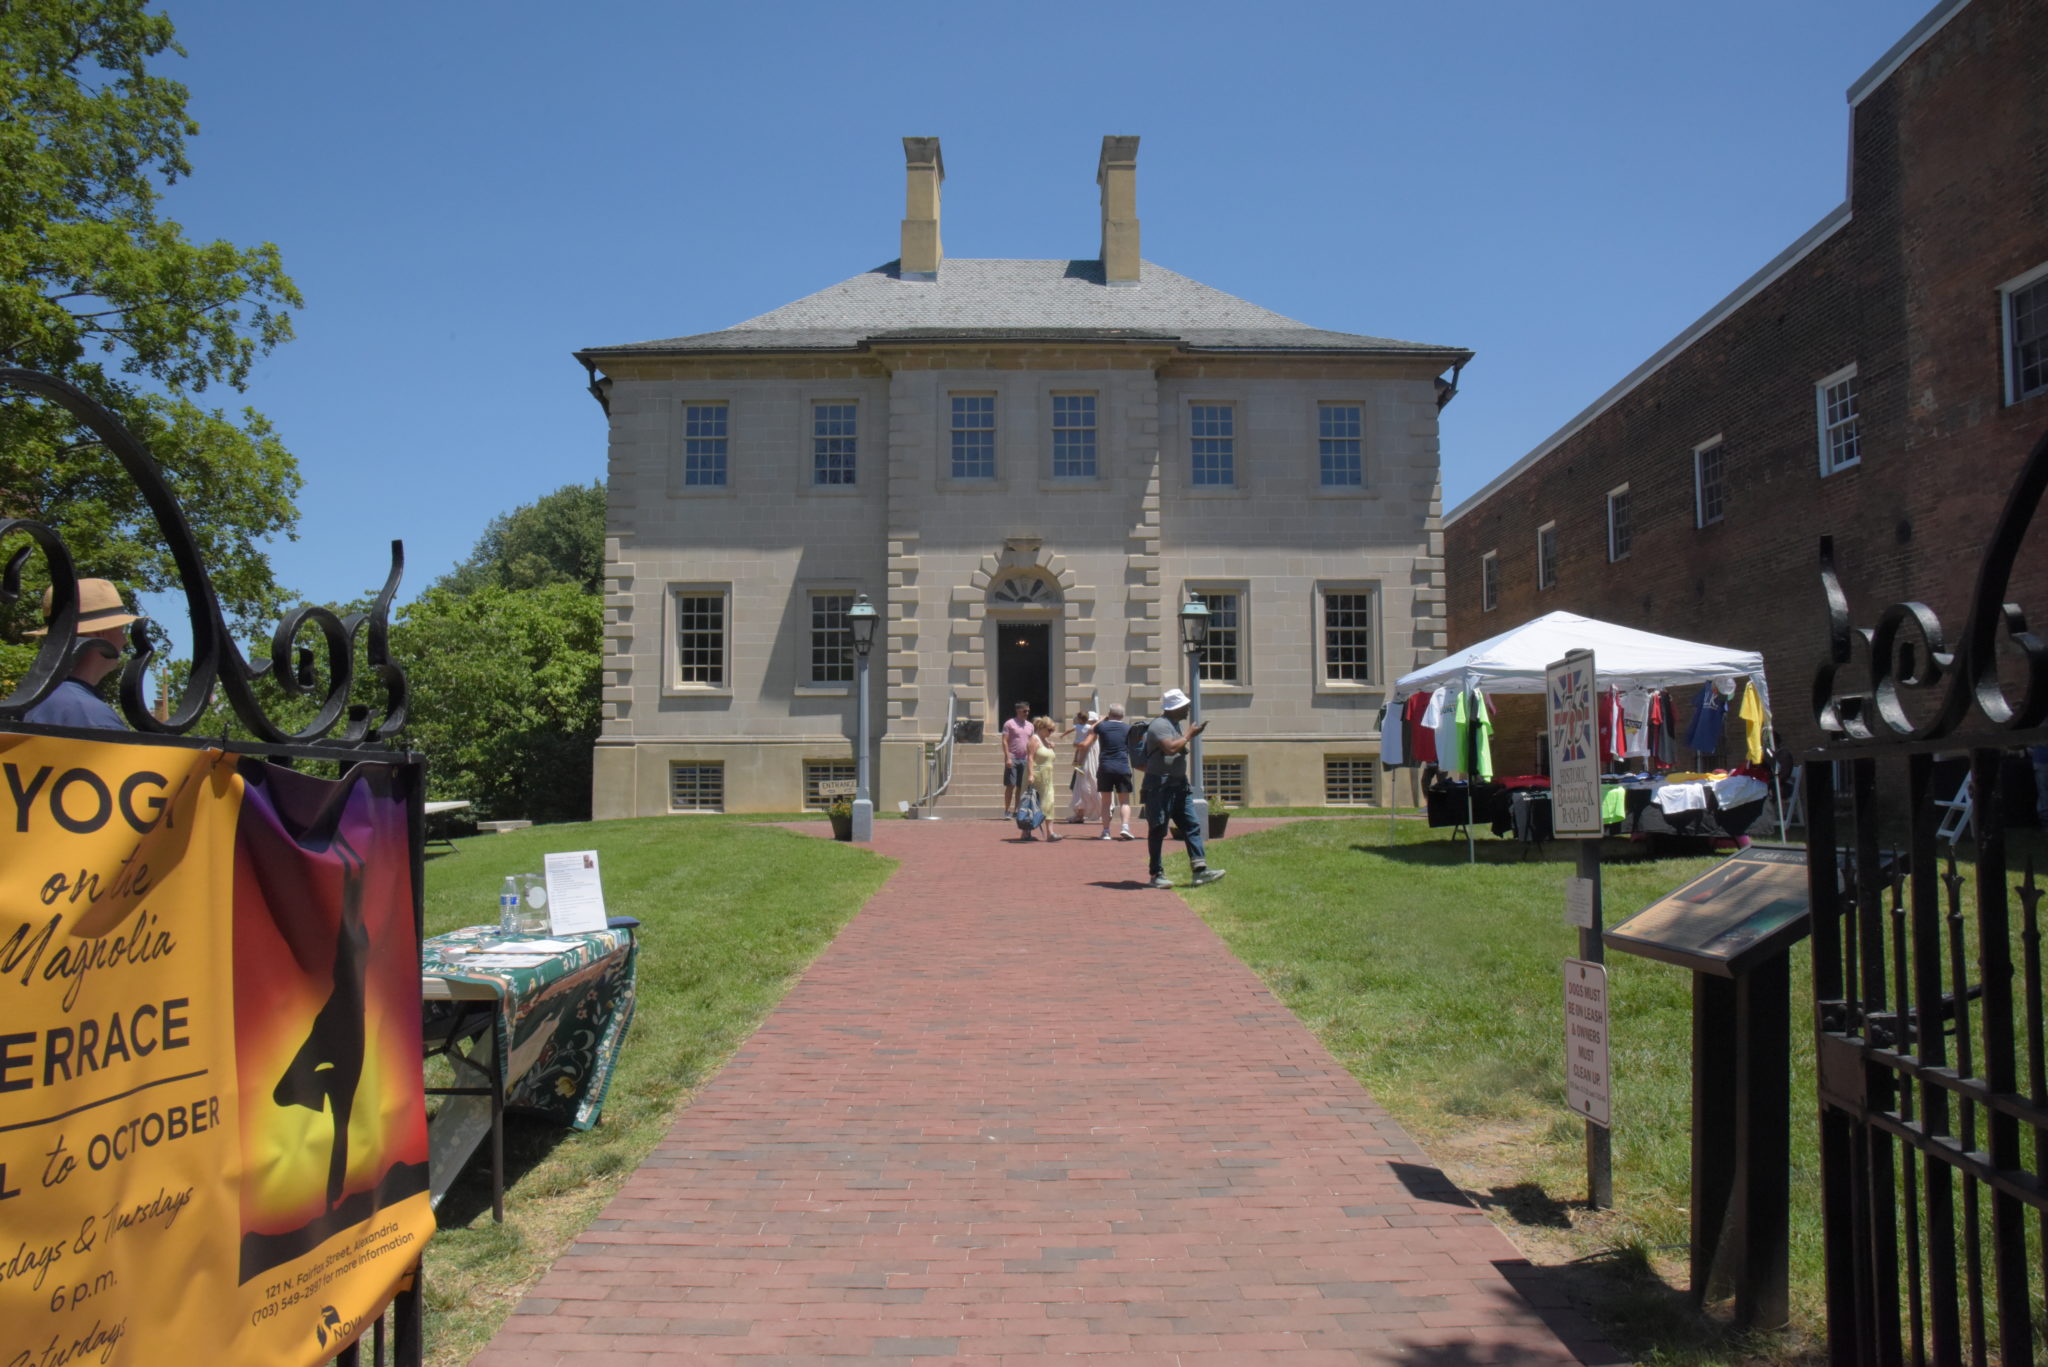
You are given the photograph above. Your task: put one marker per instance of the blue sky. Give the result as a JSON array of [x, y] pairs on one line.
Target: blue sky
[[466, 193]]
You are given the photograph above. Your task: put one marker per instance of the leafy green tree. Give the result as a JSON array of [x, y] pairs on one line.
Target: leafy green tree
[[98, 288], [557, 540], [505, 687]]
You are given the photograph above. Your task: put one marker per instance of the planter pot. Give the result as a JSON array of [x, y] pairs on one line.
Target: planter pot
[[842, 827], [1219, 822]]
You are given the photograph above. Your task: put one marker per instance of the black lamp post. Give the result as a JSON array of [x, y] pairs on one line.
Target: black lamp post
[[861, 620], [1194, 634]]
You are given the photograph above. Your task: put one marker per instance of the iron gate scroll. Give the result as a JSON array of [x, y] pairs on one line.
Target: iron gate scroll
[[361, 835], [1933, 1084]]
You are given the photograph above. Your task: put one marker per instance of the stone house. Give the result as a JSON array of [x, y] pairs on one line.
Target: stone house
[[1026, 465], [1880, 381]]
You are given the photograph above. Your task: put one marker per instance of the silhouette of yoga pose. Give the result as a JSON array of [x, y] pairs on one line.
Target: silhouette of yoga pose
[[329, 1065]]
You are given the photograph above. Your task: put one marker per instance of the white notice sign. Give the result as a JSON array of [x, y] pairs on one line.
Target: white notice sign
[[1578, 902], [1585, 1040], [575, 893], [1574, 747]]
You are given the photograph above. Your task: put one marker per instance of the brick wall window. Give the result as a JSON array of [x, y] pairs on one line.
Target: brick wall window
[[831, 643], [2026, 335], [696, 787], [1348, 780], [1221, 658], [704, 438], [1546, 556], [1621, 527], [834, 438], [1212, 445], [1489, 581], [1709, 483], [818, 771], [1834, 400], [1073, 436], [1223, 781], [974, 436], [1347, 636], [1340, 443], [700, 637]]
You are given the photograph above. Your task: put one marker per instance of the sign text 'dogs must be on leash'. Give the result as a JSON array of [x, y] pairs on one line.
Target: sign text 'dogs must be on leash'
[[1585, 1040]]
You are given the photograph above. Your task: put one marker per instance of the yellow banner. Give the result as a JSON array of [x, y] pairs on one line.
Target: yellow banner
[[212, 1144]]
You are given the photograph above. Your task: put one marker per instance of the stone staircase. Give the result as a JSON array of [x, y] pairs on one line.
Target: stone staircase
[[976, 793]]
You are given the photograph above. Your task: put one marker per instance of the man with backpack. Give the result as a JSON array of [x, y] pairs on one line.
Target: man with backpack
[[1167, 795], [1113, 770]]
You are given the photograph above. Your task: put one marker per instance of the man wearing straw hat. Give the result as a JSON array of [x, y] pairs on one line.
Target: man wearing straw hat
[[102, 616]]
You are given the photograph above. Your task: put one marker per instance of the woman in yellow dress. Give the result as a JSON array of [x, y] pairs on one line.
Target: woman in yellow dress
[[1042, 757]]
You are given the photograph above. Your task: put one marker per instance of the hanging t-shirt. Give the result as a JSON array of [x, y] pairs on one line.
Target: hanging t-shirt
[[1433, 719], [1635, 724], [1482, 737], [1450, 739], [1421, 740], [1390, 735], [1751, 710], [1709, 715]]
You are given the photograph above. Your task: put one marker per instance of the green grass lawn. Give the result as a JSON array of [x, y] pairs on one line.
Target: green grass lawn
[[730, 913], [1438, 984]]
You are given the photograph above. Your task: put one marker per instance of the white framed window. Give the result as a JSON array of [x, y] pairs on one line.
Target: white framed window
[[818, 772], [1223, 780], [696, 787], [1489, 581], [1073, 437], [698, 620], [2023, 312], [1222, 658], [1546, 556], [1621, 527], [831, 651], [1212, 445], [705, 432], [1834, 404], [1349, 613], [835, 443], [1709, 483], [1340, 445], [1349, 780], [974, 436]]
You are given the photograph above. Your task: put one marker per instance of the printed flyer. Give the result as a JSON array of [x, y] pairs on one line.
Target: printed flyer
[[212, 1127]]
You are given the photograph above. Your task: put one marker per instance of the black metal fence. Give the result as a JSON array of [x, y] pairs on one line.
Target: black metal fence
[[1932, 1074]]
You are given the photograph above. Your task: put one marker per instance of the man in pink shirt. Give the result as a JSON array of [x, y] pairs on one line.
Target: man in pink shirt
[[1017, 738]]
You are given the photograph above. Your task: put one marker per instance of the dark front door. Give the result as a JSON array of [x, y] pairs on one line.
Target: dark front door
[[1024, 667]]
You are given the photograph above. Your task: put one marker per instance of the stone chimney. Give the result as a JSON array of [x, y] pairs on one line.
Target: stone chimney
[[1117, 174], [925, 172]]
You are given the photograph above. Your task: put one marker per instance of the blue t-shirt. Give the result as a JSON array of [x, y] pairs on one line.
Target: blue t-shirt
[[1112, 738], [73, 704]]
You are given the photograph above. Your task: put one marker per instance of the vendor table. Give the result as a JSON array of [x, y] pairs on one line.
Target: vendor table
[[564, 1015], [439, 835]]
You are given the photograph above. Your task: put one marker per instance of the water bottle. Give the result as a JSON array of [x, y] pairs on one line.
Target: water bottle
[[508, 907]]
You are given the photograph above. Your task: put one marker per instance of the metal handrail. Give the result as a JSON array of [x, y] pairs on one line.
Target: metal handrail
[[938, 773]]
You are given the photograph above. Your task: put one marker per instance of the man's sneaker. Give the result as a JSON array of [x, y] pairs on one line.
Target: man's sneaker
[[1208, 875], [1107, 836], [1160, 881], [1125, 834]]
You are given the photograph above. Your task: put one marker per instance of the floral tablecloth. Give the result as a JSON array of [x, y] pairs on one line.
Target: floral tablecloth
[[562, 1020]]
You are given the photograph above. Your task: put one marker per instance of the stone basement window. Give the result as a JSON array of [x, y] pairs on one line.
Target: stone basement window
[[2026, 335], [817, 771], [1349, 780], [696, 787], [1834, 401], [1223, 780]]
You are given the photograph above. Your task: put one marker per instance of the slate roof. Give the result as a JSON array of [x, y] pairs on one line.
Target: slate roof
[[1024, 301]]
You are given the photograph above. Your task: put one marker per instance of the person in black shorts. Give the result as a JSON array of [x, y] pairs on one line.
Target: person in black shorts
[[1113, 771]]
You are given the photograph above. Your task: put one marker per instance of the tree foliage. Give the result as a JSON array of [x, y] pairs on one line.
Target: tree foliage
[[557, 540], [505, 686], [97, 288]]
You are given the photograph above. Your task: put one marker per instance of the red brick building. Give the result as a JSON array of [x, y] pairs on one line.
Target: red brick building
[[1880, 381]]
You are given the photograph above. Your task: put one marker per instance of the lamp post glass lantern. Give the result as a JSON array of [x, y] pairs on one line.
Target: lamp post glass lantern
[[1194, 634], [861, 620]]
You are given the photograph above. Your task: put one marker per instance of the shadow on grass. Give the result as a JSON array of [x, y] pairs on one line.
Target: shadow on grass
[[528, 1142]]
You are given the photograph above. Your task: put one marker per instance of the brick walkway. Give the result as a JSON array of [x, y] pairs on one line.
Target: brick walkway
[[1023, 1109]]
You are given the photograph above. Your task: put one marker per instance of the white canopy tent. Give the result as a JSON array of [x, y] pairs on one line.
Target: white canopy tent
[[1623, 657]]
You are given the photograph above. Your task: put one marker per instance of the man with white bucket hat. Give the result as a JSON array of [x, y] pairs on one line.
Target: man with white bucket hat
[[1167, 795]]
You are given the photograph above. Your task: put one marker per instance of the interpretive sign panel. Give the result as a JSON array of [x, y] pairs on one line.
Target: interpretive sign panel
[[213, 1133], [1585, 1040], [1578, 902], [1746, 908], [1574, 748]]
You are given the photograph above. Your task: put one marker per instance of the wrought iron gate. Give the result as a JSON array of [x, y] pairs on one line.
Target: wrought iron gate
[[1928, 991]]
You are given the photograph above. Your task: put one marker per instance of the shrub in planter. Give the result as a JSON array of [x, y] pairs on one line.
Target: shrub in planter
[[841, 814]]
